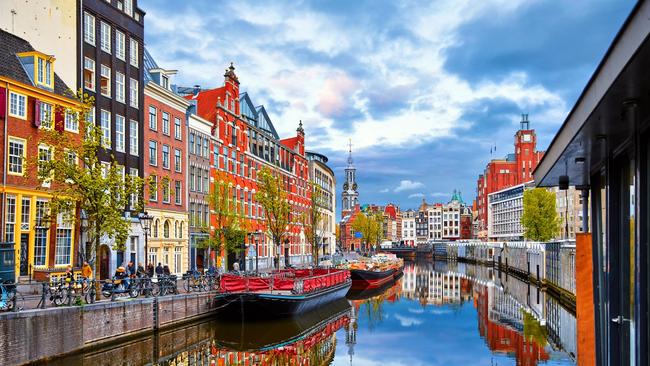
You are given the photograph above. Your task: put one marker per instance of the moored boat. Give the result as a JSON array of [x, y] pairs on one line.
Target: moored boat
[[280, 294], [375, 271]]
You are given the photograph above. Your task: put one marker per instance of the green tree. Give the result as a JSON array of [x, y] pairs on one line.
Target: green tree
[[371, 229], [80, 182], [229, 231], [540, 219], [312, 220], [273, 198]]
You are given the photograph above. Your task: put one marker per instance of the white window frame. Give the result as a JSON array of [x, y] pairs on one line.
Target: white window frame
[[47, 116], [153, 159], [17, 105], [23, 143], [120, 45], [165, 123], [178, 192], [48, 152], [133, 138], [71, 121], [133, 93], [89, 28], [134, 52], [120, 133], [105, 36], [87, 62], [178, 132], [120, 81], [106, 128], [105, 73], [165, 162], [128, 7]]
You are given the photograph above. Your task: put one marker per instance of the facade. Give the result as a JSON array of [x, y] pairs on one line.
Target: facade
[[248, 142], [349, 240], [33, 98], [323, 176], [391, 223], [514, 169], [201, 140], [568, 204], [408, 237], [422, 224], [434, 213], [443, 221], [165, 169], [505, 208], [349, 194]]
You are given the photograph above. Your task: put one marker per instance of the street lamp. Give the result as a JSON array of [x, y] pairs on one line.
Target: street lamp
[[145, 222]]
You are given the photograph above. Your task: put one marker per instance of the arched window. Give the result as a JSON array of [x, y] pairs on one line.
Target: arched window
[[181, 232], [176, 229], [155, 229], [166, 229]]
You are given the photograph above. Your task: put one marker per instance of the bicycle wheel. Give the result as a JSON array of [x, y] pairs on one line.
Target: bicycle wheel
[[155, 288], [17, 302], [91, 296], [58, 297], [186, 285]]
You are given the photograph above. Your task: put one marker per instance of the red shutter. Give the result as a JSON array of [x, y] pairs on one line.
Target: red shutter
[[37, 113], [3, 102], [58, 119]]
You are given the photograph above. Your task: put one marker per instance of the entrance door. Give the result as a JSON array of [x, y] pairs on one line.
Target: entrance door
[[104, 256], [24, 254], [622, 264]]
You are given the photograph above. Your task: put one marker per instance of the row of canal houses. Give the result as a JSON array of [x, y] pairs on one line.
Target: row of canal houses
[[182, 138]]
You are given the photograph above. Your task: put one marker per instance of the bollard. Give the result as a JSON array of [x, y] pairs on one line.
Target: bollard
[[156, 310], [43, 291]]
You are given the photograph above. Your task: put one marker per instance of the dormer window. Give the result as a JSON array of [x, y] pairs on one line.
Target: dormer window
[[44, 72], [164, 81], [39, 66]]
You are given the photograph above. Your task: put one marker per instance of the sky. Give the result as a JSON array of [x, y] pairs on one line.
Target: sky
[[425, 91]]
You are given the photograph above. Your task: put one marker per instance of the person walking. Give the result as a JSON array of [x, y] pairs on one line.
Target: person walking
[[159, 270], [150, 270], [86, 271], [130, 269], [140, 272], [166, 270]]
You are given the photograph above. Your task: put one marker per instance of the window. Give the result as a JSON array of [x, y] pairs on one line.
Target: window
[[133, 172], [205, 181], [153, 124], [44, 156], [133, 52], [153, 153], [25, 212], [63, 240], [206, 148], [120, 45], [199, 172], [89, 28], [40, 240], [133, 138], [17, 105], [105, 81], [178, 258], [165, 81], [153, 191], [165, 123], [191, 143], [153, 256], [165, 156], [119, 87], [178, 134], [44, 72], [128, 7], [133, 93], [10, 221], [71, 121], [177, 160], [192, 177], [165, 192], [177, 192], [105, 37], [46, 115], [119, 133], [89, 73], [16, 156], [105, 122]]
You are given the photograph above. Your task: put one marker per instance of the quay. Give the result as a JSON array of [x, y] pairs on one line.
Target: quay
[[58, 331]]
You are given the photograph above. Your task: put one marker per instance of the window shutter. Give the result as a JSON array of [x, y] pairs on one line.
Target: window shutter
[[58, 119], [3, 102], [37, 113]]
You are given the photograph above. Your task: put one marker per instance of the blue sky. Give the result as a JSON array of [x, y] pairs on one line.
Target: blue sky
[[423, 89]]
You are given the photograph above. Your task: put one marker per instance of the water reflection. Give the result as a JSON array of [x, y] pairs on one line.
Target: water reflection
[[437, 314]]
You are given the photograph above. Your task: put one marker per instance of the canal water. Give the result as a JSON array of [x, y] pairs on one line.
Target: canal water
[[438, 313]]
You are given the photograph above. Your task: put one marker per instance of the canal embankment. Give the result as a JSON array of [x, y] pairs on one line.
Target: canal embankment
[[39, 334]]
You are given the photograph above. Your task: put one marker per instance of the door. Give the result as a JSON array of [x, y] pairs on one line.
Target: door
[[104, 256], [622, 262], [24, 254]]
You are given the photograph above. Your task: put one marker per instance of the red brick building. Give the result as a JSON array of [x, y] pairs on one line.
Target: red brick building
[[514, 169], [247, 142]]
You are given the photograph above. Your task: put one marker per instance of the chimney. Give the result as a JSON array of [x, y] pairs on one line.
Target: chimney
[[197, 89]]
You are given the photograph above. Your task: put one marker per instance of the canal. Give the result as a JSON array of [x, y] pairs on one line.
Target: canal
[[438, 313]]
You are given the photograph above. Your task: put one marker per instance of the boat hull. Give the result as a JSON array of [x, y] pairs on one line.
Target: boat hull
[[362, 279], [252, 305]]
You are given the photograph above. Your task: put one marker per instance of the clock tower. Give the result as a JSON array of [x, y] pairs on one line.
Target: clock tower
[[350, 194]]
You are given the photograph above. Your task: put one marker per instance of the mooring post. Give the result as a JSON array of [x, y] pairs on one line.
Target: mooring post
[[156, 313]]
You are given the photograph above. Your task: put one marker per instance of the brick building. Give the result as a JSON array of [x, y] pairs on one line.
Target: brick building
[[514, 169], [33, 99]]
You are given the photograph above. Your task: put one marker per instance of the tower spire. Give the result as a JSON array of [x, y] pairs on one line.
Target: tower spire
[[350, 152]]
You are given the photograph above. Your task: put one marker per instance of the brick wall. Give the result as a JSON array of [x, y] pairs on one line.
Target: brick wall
[[37, 334]]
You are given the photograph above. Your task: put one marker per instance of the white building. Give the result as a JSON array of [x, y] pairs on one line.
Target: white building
[[505, 208], [434, 213], [323, 176], [408, 228]]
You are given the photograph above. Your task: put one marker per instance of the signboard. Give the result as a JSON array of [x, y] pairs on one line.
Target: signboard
[[358, 235]]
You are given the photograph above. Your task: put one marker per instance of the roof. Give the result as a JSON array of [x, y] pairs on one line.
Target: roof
[[390, 211], [149, 64], [206, 105], [11, 67], [290, 142]]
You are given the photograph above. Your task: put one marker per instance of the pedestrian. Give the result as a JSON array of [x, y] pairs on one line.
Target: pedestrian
[[235, 267], [130, 269], [140, 272], [150, 270], [121, 275], [166, 270], [86, 271], [159, 270], [69, 274]]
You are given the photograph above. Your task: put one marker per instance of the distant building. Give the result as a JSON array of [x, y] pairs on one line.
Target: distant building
[[349, 241], [512, 170], [408, 237], [568, 205], [505, 208], [323, 176], [391, 216], [349, 194], [422, 224], [443, 221]]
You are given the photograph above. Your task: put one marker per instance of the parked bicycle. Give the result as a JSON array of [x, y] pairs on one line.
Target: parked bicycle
[[194, 281], [10, 298], [116, 286], [165, 285]]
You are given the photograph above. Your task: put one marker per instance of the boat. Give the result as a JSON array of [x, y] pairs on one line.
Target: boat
[[374, 272], [356, 294], [280, 294]]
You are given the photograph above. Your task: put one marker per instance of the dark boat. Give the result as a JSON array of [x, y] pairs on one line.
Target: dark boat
[[370, 292], [280, 295], [362, 278]]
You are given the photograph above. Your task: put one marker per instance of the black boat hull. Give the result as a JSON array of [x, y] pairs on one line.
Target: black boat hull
[[370, 279], [251, 305]]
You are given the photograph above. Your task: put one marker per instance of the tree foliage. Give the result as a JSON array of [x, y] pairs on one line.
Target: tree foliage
[[82, 185], [540, 219], [229, 231], [272, 196], [312, 220], [370, 226]]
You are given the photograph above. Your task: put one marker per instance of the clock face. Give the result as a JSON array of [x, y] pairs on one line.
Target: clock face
[[526, 138], [345, 186], [354, 186]]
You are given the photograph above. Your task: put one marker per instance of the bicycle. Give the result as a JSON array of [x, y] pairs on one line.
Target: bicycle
[[193, 281], [10, 298]]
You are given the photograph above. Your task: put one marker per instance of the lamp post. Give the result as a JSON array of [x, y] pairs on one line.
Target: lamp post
[[145, 222], [257, 251]]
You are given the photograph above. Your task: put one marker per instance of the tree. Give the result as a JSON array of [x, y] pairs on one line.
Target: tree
[[273, 199], [312, 219], [229, 231], [540, 219], [79, 182], [370, 226]]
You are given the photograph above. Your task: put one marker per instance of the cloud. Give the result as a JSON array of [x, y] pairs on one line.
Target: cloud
[[416, 195], [439, 194], [406, 321], [416, 311], [440, 311], [407, 185], [385, 190]]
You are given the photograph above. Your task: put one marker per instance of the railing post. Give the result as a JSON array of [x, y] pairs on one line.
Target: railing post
[[43, 291]]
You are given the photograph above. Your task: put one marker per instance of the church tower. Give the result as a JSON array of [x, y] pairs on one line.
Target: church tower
[[350, 194]]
